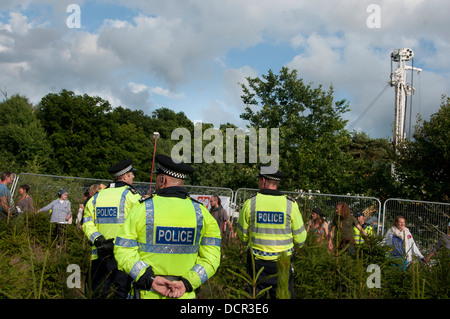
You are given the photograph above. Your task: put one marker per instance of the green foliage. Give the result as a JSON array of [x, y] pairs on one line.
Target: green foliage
[[80, 132], [251, 281], [437, 283], [23, 141], [31, 266], [371, 167], [79, 135], [312, 132], [87, 135], [283, 265], [423, 162]]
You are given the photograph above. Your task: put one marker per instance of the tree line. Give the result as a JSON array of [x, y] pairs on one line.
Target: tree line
[[81, 135]]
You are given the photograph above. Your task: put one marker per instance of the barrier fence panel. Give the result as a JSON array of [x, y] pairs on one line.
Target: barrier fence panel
[[44, 189], [370, 206], [427, 221], [201, 193]]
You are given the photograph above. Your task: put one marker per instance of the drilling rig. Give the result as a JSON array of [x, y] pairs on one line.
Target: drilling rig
[[402, 90]]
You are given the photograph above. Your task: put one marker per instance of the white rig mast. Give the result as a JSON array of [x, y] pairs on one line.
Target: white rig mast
[[402, 90]]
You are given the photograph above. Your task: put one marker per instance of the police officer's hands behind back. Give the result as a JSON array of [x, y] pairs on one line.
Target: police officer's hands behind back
[[177, 289], [172, 289]]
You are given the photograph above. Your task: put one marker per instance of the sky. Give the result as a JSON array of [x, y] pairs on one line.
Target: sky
[[192, 55]]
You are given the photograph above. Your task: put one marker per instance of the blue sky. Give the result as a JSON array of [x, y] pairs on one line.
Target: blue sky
[[190, 55]]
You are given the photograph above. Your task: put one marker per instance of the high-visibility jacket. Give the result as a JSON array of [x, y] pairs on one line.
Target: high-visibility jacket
[[174, 236], [106, 211], [359, 239], [275, 223]]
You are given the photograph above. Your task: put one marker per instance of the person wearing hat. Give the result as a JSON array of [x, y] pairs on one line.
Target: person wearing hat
[[104, 215], [319, 227], [61, 213], [275, 224], [367, 228], [170, 244]]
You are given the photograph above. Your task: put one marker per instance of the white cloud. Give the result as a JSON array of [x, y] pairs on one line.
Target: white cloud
[[166, 93], [137, 88], [176, 46], [18, 23]]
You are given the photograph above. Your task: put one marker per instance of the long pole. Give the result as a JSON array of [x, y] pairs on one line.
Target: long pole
[[155, 136]]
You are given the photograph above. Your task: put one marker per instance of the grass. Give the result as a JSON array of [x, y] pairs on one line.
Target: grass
[[31, 267]]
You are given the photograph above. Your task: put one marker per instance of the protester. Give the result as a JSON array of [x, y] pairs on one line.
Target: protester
[[221, 216], [60, 216], [444, 241], [5, 179], [403, 246], [319, 227], [342, 227], [25, 202]]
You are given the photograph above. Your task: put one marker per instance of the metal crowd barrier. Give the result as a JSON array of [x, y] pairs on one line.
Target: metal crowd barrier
[[427, 221]]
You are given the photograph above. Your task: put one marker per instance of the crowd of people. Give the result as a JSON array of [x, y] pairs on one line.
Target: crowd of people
[[167, 244]]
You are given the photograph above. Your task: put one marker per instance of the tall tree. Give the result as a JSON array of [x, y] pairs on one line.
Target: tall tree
[[79, 130], [88, 135], [312, 130], [423, 167], [24, 144], [371, 165], [168, 120]]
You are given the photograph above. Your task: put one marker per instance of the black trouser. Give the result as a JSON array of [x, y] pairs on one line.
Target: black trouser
[[59, 232], [107, 281], [270, 268], [348, 244]]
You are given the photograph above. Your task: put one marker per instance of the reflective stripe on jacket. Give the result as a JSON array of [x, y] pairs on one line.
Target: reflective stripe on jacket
[[175, 236], [106, 212], [275, 223]]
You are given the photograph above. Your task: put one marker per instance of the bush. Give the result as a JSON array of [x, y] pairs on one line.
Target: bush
[[31, 267]]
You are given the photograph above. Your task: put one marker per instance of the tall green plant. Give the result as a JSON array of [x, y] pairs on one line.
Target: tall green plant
[[283, 265], [252, 280]]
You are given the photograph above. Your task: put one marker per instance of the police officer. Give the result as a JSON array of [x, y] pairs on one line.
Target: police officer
[[170, 243], [276, 225], [104, 215], [359, 239]]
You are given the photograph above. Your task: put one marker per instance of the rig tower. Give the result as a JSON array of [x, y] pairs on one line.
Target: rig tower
[[402, 90]]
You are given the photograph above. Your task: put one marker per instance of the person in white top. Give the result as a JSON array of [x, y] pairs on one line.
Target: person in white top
[[60, 216], [403, 245]]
